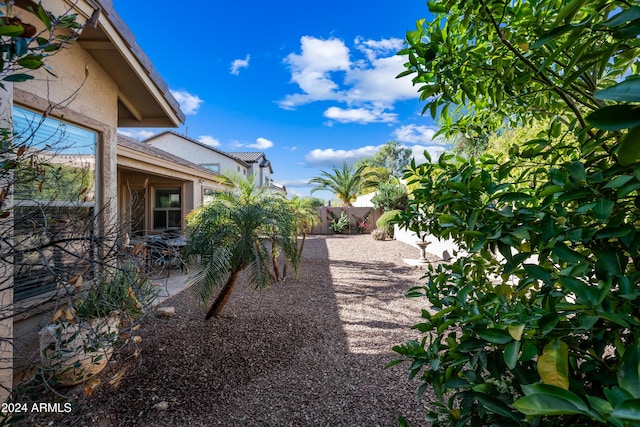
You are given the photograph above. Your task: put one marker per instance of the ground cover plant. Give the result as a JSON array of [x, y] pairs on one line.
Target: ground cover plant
[[536, 322]]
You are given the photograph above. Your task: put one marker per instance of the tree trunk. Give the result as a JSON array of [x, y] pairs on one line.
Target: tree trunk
[[304, 238], [276, 270], [224, 295]]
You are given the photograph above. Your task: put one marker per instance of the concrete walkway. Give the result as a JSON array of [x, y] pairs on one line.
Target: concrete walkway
[[170, 285]]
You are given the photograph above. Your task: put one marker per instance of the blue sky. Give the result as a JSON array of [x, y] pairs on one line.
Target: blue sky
[[311, 84]]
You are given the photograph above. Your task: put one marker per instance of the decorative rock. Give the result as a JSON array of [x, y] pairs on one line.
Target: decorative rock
[[166, 311], [161, 406]]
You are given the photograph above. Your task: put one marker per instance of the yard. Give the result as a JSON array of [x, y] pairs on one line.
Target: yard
[[310, 352]]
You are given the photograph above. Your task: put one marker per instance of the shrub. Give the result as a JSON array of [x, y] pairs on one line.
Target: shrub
[[390, 197], [386, 221], [378, 234]]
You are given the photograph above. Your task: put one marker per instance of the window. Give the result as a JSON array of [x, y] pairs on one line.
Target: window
[[54, 202], [167, 211], [215, 167]]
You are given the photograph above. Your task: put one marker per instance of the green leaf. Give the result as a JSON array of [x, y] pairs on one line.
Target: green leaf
[[547, 323], [511, 353], [435, 7], [629, 149], [495, 405], [629, 371], [615, 117], [11, 30], [494, 335], [623, 17], [585, 292], [618, 181], [567, 254], [17, 78], [543, 400], [626, 91], [627, 410], [537, 272], [544, 404], [553, 364], [552, 35], [603, 208]]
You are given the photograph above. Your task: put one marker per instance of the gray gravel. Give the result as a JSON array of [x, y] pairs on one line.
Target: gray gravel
[[301, 353]]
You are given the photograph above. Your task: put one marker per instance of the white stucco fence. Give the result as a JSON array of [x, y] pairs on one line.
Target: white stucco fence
[[436, 247]]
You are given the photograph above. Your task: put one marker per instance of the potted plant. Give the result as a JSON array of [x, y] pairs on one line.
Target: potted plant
[[81, 337]]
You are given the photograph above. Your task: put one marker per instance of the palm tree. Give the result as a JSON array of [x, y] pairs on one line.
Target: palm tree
[[306, 212], [347, 184], [230, 234]]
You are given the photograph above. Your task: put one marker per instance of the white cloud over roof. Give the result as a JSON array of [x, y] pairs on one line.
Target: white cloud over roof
[[137, 134], [326, 70], [209, 140], [261, 144], [189, 104]]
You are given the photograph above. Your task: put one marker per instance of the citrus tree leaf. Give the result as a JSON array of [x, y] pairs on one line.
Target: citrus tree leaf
[[553, 364]]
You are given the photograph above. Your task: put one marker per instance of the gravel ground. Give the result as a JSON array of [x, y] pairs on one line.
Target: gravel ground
[[301, 353]]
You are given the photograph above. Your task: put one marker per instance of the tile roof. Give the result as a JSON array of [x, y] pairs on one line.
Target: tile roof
[[202, 144], [131, 143], [248, 156]]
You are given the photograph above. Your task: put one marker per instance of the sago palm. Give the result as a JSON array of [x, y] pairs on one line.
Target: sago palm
[[230, 234], [347, 184]]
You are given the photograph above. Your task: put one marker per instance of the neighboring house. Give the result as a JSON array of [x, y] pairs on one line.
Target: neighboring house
[[156, 189], [104, 82], [250, 164], [199, 153]]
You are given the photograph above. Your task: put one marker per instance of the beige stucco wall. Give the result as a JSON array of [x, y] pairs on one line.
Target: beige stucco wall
[[84, 94], [6, 295]]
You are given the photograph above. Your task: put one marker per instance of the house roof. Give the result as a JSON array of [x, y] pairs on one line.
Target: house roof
[[248, 156], [152, 151], [144, 100], [232, 156]]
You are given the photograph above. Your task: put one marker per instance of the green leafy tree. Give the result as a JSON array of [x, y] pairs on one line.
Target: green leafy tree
[[231, 233], [392, 157], [535, 322], [346, 183]]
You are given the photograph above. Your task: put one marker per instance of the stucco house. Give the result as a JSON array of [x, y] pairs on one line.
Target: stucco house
[[102, 82], [250, 164], [157, 189]]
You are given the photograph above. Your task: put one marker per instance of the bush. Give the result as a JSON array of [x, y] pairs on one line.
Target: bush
[[378, 234], [386, 221], [390, 197]]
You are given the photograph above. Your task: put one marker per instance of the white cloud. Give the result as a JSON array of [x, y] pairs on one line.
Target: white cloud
[[359, 115], [326, 71], [311, 70], [138, 134], [295, 183], [189, 104], [415, 134], [378, 84], [331, 157], [374, 48], [209, 140], [238, 64], [261, 144]]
